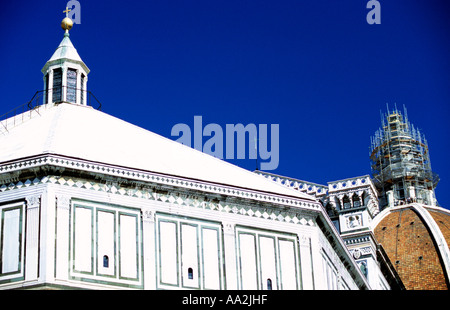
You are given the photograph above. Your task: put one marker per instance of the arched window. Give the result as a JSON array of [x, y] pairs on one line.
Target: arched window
[[269, 284], [190, 273], [105, 261]]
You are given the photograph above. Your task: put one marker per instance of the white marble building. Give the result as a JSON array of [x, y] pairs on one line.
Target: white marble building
[[90, 201], [352, 205]]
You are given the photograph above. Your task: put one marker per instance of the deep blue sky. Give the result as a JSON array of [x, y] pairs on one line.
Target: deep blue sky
[[316, 68]]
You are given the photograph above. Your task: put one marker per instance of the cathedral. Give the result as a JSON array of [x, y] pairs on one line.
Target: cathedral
[[83, 212], [395, 211]]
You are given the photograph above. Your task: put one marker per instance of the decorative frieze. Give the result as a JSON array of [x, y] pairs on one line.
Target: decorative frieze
[[106, 171], [352, 184], [257, 210], [310, 188], [360, 252], [356, 240], [304, 240]]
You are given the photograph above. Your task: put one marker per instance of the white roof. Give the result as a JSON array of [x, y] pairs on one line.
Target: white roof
[[82, 132]]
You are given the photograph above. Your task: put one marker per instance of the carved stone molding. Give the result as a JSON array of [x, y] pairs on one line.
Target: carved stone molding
[[359, 252], [33, 202], [354, 220], [304, 240], [148, 215], [228, 228], [268, 212], [63, 202], [59, 162], [356, 253]]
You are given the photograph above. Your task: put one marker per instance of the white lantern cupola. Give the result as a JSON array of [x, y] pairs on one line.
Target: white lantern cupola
[[65, 74]]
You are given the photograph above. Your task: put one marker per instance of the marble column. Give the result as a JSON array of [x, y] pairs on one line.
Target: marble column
[[229, 240], [32, 237], [148, 228], [62, 236]]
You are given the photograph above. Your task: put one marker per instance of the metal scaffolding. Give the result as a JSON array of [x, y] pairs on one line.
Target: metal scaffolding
[[400, 162]]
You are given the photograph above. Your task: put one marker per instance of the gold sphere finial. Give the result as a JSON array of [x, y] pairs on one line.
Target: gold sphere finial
[[66, 23]]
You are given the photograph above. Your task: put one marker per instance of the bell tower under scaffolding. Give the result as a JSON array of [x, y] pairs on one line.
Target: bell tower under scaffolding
[[400, 162]]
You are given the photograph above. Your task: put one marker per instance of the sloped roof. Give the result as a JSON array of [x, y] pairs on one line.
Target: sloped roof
[[65, 52], [82, 132]]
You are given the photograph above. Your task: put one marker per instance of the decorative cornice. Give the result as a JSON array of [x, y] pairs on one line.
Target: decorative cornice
[[357, 240], [356, 183], [263, 211], [316, 190], [63, 163]]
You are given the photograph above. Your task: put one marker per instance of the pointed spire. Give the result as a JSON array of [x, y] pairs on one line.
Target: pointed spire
[[66, 50]]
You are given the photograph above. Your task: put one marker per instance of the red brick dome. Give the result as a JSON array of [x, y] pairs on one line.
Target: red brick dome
[[416, 239]]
